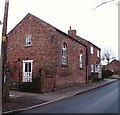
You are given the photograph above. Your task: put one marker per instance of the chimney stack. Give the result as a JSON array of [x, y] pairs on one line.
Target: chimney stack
[[71, 32]]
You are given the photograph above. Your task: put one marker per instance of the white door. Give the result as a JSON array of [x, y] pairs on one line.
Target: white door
[[27, 70]]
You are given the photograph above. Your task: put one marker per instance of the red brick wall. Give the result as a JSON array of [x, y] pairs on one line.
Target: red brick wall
[[71, 74], [46, 52], [92, 58], [41, 51]]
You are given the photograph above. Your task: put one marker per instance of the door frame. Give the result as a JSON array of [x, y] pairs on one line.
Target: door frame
[[24, 77]]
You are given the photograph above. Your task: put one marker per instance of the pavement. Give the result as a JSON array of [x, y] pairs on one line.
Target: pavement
[[20, 101]]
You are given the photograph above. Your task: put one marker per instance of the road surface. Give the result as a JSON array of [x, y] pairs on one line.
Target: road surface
[[100, 100]]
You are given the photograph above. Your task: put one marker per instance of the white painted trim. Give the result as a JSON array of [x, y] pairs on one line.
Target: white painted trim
[[98, 53], [25, 61], [91, 50], [24, 73]]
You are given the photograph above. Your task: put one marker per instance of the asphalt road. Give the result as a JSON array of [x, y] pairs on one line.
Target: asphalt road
[[100, 100]]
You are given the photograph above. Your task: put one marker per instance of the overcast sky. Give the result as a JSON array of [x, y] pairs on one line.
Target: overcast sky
[[99, 26]]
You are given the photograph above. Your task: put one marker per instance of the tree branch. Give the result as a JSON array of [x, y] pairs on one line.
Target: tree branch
[[102, 4]]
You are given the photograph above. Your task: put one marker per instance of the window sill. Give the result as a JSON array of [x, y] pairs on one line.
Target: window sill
[[28, 46], [81, 69], [63, 65]]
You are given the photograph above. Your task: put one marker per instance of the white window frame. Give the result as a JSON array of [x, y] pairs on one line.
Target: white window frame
[[81, 60], [96, 68], [64, 54], [92, 68], [98, 53], [28, 40], [91, 49], [29, 78]]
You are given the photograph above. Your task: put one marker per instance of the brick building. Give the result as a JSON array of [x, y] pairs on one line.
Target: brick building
[[114, 66], [37, 50], [93, 53]]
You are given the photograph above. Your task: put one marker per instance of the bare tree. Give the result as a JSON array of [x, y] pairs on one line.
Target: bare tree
[[105, 2], [107, 55]]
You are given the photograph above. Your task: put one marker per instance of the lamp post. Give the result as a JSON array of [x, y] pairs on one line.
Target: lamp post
[[4, 44], [0, 78]]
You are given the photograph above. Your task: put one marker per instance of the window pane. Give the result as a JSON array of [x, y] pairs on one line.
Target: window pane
[[64, 60], [81, 60], [96, 68], [26, 67], [64, 54], [28, 40], [92, 67], [91, 50], [98, 53], [29, 67]]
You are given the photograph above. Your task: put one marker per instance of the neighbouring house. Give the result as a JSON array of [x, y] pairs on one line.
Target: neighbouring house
[[93, 54], [114, 66], [37, 50]]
